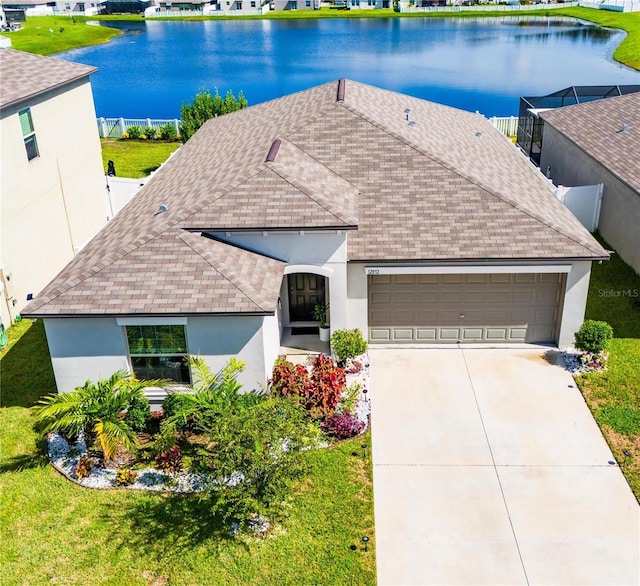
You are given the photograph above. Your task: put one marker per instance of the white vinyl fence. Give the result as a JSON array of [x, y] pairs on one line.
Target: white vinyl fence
[[116, 127], [506, 124], [404, 7]]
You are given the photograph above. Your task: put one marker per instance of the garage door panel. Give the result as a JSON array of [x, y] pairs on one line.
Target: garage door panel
[[464, 307]]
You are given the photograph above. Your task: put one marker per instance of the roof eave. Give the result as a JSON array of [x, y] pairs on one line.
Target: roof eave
[[43, 314]]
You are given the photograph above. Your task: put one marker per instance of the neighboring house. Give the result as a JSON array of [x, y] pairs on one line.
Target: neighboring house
[[32, 7], [126, 6], [83, 8], [295, 5], [417, 223], [599, 143], [53, 196]]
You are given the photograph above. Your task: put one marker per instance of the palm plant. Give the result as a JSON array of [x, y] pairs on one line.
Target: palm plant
[[214, 394], [97, 410]]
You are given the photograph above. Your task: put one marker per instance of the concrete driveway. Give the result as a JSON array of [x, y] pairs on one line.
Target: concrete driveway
[[489, 469]]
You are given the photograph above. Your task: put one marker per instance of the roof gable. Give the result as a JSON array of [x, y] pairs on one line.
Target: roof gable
[[597, 128], [32, 75]]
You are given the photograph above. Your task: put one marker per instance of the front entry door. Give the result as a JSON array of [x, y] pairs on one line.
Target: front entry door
[[305, 291]]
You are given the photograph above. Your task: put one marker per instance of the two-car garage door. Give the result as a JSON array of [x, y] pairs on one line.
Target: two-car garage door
[[492, 308]]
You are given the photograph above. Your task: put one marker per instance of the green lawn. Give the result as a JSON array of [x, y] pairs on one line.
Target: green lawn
[[45, 35], [136, 158], [55, 532], [614, 395]]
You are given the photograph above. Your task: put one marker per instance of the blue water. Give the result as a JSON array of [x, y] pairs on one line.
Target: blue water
[[483, 64]]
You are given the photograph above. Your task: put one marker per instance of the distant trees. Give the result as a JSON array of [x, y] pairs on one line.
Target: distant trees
[[207, 105]]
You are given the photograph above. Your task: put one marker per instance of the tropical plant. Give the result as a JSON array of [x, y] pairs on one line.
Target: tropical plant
[[255, 456], [97, 409], [214, 394], [138, 414], [349, 398], [342, 425], [318, 392], [83, 467], [320, 311], [593, 336], [170, 461], [347, 344], [125, 477], [207, 105]]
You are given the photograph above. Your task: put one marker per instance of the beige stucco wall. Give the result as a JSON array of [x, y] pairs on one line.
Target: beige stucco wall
[[54, 203]]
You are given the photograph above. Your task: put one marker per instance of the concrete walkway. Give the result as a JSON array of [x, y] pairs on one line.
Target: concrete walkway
[[488, 469]]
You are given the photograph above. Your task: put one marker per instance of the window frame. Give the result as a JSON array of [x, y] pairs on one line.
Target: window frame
[[131, 355], [29, 138]]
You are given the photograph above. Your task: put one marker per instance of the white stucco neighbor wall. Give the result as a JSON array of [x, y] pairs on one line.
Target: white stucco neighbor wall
[[575, 302], [54, 203], [94, 348]]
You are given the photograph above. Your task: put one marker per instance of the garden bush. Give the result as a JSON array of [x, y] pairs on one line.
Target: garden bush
[[83, 467], [138, 414], [174, 403], [125, 477], [150, 132], [170, 461], [342, 425], [168, 132], [593, 336], [135, 132], [319, 392], [347, 344]]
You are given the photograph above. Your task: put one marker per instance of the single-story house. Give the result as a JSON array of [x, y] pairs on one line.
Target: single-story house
[[417, 223], [598, 143]]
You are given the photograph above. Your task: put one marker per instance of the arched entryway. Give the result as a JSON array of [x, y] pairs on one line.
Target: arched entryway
[[303, 288]]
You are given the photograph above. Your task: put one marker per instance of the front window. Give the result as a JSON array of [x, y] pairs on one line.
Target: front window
[[28, 133], [158, 352], [294, 5]]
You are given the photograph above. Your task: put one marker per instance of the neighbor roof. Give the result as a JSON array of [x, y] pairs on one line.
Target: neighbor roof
[[25, 75], [442, 185], [606, 130]]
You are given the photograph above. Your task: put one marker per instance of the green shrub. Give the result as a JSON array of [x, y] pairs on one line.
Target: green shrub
[[173, 404], [168, 132], [135, 132], [347, 344], [150, 132], [593, 336], [125, 477], [138, 414], [349, 398]]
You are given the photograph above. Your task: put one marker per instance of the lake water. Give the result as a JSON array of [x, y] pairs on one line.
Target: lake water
[[473, 64]]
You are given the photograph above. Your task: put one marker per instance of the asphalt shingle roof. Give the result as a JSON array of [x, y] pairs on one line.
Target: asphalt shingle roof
[[25, 75], [446, 187], [595, 127]]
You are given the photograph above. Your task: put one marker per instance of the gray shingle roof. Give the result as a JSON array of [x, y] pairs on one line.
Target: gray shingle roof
[[448, 187], [595, 128], [25, 76]]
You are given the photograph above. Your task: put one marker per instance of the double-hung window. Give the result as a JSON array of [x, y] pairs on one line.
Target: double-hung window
[[159, 352], [28, 133]]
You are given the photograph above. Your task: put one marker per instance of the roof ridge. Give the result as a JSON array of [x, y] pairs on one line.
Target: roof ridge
[[476, 182], [317, 197], [253, 295]]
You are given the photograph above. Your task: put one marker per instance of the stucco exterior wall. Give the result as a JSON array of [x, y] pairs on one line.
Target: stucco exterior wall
[[620, 212], [323, 253], [54, 203], [575, 302], [94, 348]]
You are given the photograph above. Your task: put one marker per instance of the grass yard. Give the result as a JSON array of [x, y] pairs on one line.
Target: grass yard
[[58, 533], [45, 35], [614, 395], [136, 158]]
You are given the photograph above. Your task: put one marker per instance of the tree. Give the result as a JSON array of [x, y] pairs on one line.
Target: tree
[[255, 455], [97, 409], [207, 105]]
